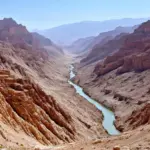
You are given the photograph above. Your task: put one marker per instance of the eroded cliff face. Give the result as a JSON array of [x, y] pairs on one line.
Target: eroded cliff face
[[14, 33], [39, 104], [132, 56], [139, 117], [24, 104], [121, 81]]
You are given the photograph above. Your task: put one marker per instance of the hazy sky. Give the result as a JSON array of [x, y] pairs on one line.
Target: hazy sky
[[42, 14]]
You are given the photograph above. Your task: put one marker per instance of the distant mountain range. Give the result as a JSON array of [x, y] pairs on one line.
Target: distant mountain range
[[19, 36], [68, 33], [89, 43]]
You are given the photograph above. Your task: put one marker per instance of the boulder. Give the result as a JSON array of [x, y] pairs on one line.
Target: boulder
[[116, 148]]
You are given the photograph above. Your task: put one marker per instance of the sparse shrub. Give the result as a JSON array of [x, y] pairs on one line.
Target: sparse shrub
[[1, 146]]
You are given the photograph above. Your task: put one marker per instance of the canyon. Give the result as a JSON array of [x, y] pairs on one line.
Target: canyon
[[120, 81], [38, 104], [45, 105]]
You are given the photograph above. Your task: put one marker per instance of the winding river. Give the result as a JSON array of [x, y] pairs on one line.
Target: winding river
[[109, 117]]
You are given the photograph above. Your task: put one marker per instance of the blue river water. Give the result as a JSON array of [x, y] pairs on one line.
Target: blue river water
[[108, 115]]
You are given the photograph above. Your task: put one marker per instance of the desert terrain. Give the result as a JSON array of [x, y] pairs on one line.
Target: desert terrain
[[40, 110], [36, 98]]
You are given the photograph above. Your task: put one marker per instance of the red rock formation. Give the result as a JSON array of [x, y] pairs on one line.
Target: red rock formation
[[139, 62], [139, 117], [29, 77], [133, 56], [24, 104], [12, 32], [18, 35]]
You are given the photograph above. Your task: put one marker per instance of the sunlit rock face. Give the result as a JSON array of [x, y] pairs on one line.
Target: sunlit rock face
[[132, 56], [24, 104]]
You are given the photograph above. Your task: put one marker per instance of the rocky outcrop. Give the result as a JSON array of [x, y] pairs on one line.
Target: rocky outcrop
[[138, 118], [24, 104], [137, 63], [132, 56], [103, 69], [14, 33], [19, 36]]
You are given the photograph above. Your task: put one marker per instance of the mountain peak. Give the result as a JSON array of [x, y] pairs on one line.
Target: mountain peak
[[8, 22], [144, 27], [69, 33]]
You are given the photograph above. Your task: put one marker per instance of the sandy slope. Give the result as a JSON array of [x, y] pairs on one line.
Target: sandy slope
[[66, 96], [134, 140], [52, 77]]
